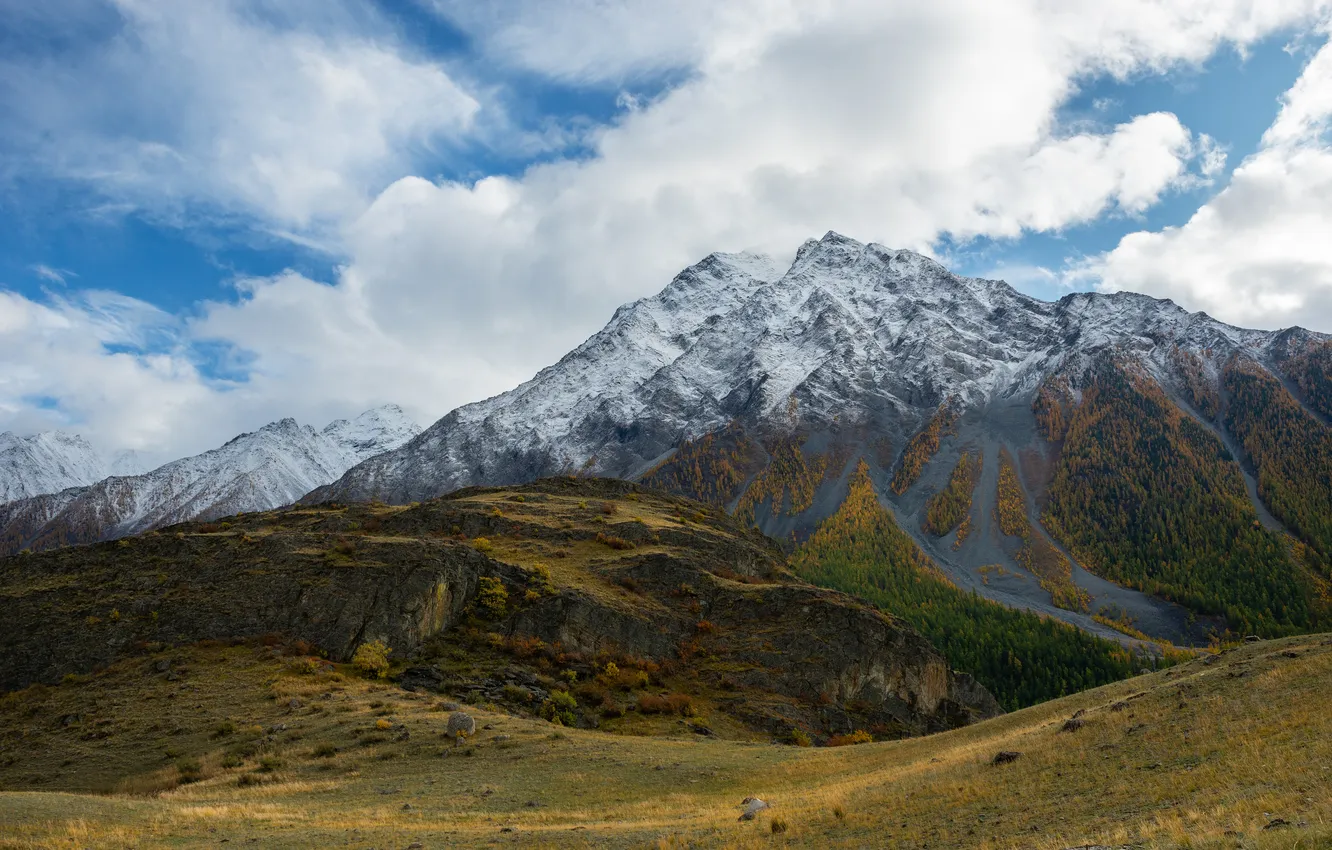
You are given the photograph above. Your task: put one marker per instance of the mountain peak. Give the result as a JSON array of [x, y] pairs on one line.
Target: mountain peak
[[851, 334], [46, 462]]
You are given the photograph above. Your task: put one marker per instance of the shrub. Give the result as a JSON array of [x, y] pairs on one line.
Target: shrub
[[324, 751], [268, 764], [778, 826], [666, 704], [609, 508], [223, 729], [491, 598], [372, 659], [300, 647], [859, 736], [613, 542], [705, 627], [627, 680], [800, 738], [345, 548], [630, 585], [541, 579], [483, 545], [527, 647], [381, 723], [190, 770], [305, 666], [245, 780], [559, 708], [516, 693]]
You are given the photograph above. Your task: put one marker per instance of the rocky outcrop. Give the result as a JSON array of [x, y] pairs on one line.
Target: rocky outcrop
[[642, 575], [75, 609]]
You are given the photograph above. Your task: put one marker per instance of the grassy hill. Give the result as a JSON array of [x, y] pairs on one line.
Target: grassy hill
[[200, 745]]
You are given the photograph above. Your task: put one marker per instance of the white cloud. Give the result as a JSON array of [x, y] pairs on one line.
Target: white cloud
[[51, 274], [138, 397], [285, 114], [616, 41], [893, 122], [1259, 253]]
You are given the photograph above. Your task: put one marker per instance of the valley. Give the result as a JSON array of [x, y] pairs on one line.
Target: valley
[[230, 744]]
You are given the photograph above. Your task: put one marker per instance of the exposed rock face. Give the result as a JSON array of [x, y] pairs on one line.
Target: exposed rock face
[[81, 607], [703, 592]]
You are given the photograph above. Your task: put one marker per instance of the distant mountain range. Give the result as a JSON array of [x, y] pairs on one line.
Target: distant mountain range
[[265, 469], [53, 461], [760, 388]]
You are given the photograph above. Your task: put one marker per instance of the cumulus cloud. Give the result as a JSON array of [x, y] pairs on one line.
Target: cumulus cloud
[[109, 361], [1258, 253], [892, 122], [290, 114]]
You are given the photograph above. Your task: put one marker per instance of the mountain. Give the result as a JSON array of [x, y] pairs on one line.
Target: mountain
[[46, 463], [986, 419], [257, 471]]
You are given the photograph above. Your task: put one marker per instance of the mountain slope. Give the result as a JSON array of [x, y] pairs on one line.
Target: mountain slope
[[257, 471], [760, 390], [46, 463]]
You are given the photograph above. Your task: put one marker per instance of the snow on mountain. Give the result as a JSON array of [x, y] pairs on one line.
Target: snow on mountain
[[853, 334], [257, 471], [46, 463], [372, 432]]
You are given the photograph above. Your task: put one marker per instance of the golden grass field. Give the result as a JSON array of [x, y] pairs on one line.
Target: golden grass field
[[1231, 753]]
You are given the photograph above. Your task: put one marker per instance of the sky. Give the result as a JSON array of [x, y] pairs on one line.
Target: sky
[[220, 213]]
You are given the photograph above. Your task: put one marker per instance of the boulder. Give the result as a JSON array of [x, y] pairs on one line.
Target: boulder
[[461, 725]]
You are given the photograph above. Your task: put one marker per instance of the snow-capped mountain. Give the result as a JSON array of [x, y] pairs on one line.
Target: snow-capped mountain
[[256, 471], [48, 463], [849, 336]]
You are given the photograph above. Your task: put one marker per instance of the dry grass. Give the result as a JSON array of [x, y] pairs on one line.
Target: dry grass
[[1204, 755]]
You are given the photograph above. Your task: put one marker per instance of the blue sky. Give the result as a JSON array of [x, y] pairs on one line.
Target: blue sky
[[220, 213], [1233, 97]]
